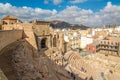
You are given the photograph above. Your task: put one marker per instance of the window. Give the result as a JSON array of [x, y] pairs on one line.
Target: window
[[54, 41], [111, 43], [104, 42], [43, 43]]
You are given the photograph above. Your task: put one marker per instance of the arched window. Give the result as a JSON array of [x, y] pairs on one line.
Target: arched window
[[5, 23], [104, 42], [43, 43], [111, 43], [54, 41]]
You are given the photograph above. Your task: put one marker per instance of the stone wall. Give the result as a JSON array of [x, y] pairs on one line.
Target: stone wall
[[41, 30], [9, 36], [17, 26], [29, 34]]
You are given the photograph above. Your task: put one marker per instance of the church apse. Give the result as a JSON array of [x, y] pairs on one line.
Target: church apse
[[42, 33], [46, 37]]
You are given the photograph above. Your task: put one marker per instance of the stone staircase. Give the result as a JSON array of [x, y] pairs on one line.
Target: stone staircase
[[79, 66]]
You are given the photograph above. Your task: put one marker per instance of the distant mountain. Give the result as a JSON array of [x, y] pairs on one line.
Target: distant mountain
[[63, 24]]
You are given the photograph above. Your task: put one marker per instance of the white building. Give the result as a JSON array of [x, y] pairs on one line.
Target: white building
[[85, 40]]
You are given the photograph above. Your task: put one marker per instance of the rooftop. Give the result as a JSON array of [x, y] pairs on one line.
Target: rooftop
[[9, 17]]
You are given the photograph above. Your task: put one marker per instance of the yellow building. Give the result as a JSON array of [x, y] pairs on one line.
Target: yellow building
[[74, 39], [10, 22]]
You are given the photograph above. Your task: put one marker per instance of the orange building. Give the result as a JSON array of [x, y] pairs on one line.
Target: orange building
[[91, 48]]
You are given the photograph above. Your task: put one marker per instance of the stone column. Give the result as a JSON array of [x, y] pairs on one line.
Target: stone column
[[48, 42]]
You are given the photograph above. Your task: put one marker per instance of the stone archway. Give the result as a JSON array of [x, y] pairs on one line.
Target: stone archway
[[43, 43]]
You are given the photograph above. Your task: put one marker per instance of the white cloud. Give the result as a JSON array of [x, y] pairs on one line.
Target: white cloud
[[108, 15], [25, 13], [73, 14], [77, 1], [57, 1], [46, 1]]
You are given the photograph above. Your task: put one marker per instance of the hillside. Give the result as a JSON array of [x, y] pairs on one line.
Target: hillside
[[63, 24]]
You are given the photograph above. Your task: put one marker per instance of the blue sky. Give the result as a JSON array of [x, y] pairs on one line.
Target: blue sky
[[95, 5], [88, 12]]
